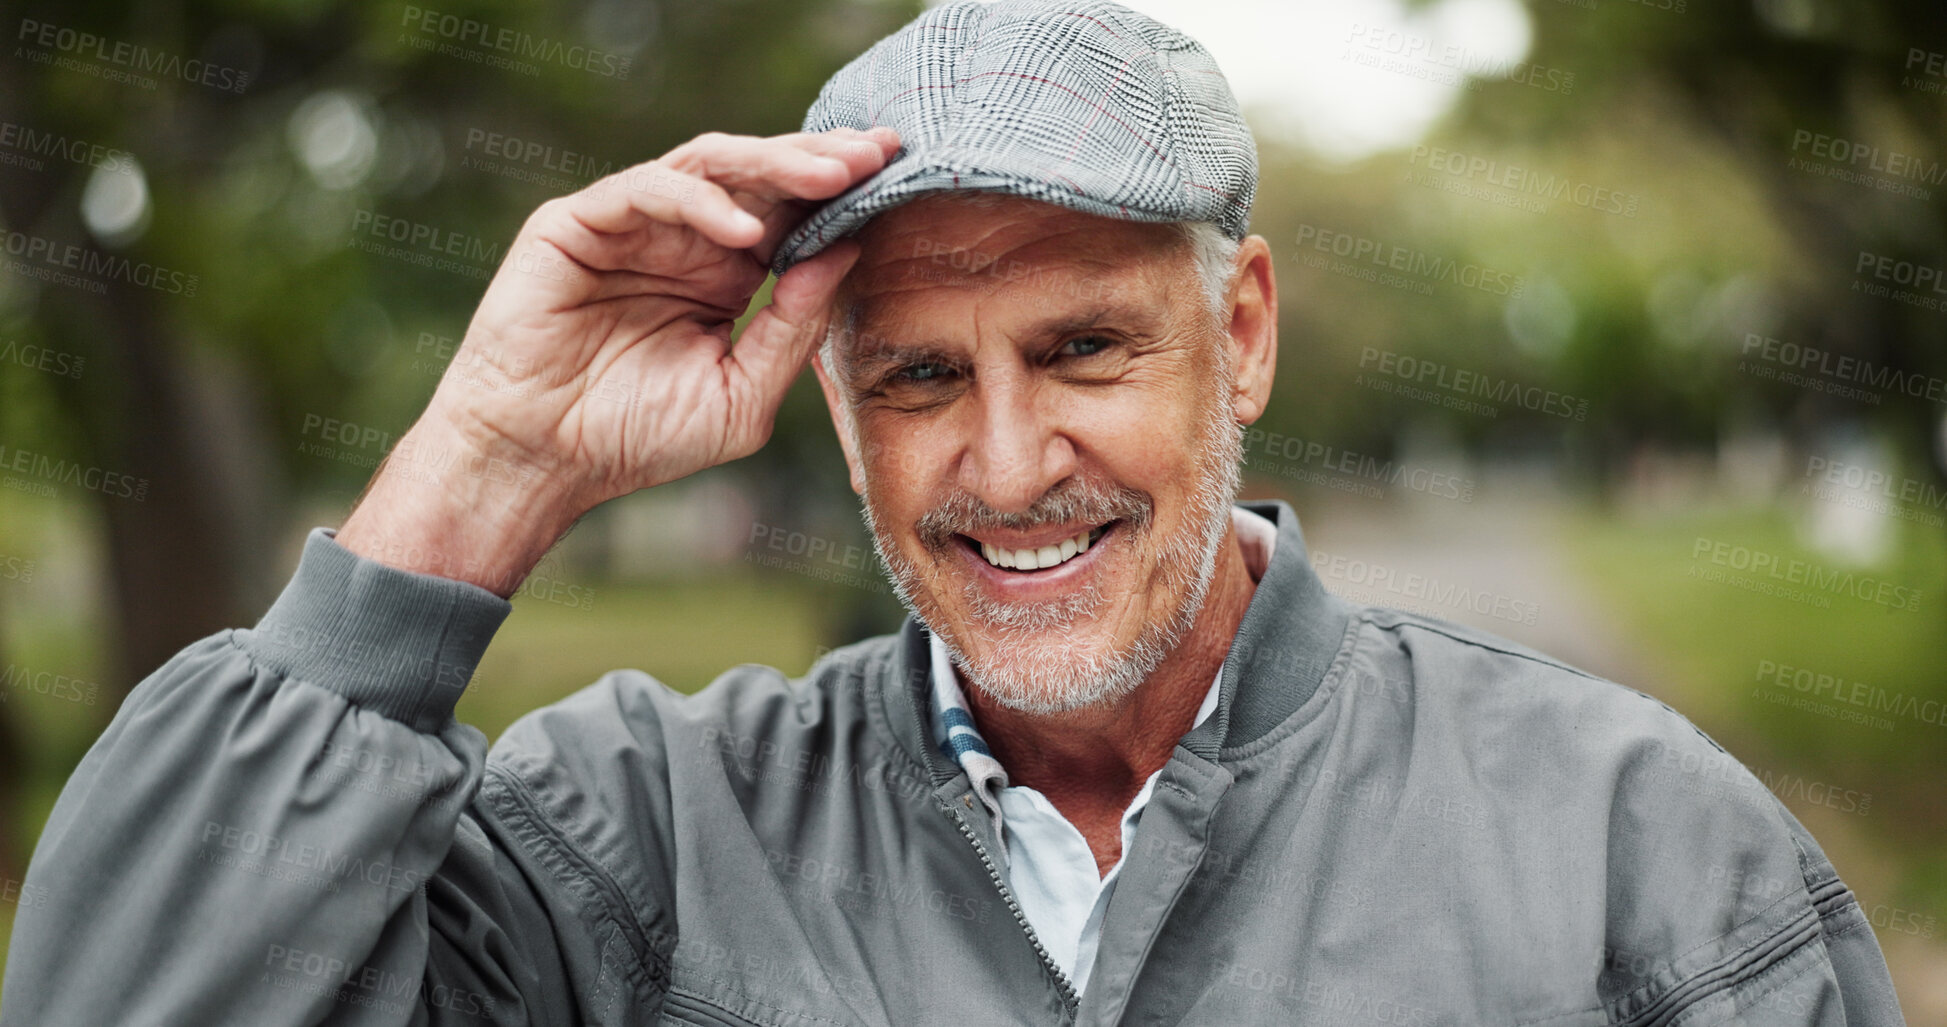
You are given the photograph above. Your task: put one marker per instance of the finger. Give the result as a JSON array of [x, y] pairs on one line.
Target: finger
[[865, 153], [633, 197], [778, 169], [781, 338], [778, 222]]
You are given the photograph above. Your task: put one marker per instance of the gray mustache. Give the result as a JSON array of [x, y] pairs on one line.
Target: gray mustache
[[1069, 501]]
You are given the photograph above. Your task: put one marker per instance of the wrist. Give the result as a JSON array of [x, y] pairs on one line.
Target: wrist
[[443, 505]]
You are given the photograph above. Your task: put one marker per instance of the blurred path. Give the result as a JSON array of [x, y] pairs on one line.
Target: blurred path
[[1516, 549], [1508, 550]]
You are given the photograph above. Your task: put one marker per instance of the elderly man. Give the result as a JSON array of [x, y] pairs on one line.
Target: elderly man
[[1127, 763]]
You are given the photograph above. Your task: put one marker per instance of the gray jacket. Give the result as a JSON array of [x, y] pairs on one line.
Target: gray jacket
[[1388, 820]]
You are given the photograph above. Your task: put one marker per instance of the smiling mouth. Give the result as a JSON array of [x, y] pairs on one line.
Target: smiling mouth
[[1051, 555]]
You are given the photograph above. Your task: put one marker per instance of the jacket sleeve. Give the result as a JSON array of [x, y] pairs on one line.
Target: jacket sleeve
[[275, 829], [1848, 985]]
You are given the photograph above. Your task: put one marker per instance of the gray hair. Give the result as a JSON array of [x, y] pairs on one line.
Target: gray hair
[[1214, 252]]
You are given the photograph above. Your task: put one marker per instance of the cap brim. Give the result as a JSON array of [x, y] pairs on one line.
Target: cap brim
[[944, 169]]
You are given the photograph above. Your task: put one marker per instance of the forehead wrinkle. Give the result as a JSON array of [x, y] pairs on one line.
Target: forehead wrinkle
[[926, 271], [1121, 287], [897, 233]]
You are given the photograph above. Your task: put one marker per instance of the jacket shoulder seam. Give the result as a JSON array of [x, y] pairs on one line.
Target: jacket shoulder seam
[[1402, 619], [1433, 627]]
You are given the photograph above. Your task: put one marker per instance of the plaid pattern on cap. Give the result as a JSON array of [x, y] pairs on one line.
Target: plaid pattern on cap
[[1089, 105]]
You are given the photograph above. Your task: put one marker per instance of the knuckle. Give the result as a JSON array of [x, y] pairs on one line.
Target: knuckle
[[549, 211]]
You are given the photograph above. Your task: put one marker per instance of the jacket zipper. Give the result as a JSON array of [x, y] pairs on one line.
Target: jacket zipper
[[1069, 998], [1060, 977]]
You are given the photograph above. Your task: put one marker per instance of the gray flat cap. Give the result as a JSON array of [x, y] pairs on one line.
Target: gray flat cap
[[1088, 105]]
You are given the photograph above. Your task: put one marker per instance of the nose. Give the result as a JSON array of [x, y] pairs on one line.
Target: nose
[[1018, 449]]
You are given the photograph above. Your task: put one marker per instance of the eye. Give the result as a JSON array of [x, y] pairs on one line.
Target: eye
[[922, 372], [1088, 346]]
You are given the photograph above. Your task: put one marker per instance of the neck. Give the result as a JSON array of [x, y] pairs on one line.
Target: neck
[[1091, 762]]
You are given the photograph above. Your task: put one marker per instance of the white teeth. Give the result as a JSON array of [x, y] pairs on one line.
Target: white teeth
[[1036, 559]]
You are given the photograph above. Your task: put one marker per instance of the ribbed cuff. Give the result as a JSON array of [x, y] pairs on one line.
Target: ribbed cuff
[[390, 641]]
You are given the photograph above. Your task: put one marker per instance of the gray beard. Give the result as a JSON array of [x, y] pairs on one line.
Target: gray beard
[[1039, 665]]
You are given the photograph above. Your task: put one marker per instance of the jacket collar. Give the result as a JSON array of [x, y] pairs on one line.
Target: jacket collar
[[1290, 634]]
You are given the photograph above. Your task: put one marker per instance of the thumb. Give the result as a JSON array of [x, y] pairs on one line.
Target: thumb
[[781, 338]]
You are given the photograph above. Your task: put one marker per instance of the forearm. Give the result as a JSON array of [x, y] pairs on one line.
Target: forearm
[[444, 505]]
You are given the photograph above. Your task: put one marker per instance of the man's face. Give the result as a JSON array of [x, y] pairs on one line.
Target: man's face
[[1045, 440]]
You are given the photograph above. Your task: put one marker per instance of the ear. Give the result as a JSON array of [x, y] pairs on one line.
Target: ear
[[841, 421], [1253, 328]]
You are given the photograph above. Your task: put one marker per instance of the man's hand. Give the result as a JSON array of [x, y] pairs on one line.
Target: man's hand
[[600, 361]]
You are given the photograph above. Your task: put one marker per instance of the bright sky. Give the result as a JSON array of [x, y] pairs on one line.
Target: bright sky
[[1347, 78]]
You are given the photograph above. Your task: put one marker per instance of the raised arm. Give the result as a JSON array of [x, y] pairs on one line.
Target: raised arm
[[275, 827]]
